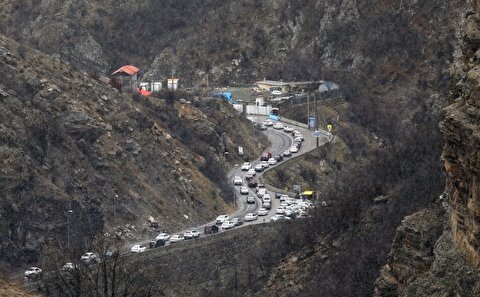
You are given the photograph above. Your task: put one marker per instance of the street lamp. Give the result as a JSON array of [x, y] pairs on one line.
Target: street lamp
[[68, 228]]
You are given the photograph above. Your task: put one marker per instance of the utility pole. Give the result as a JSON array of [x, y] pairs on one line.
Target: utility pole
[[115, 197], [68, 228], [316, 118], [308, 110]]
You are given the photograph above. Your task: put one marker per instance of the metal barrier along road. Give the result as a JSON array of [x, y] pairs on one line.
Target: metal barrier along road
[[295, 123]]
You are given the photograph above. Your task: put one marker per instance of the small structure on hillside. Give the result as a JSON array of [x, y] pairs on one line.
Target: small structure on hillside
[[125, 78], [285, 87], [172, 83], [152, 86]]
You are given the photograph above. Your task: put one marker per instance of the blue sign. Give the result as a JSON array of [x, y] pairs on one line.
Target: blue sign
[[317, 133], [311, 122]]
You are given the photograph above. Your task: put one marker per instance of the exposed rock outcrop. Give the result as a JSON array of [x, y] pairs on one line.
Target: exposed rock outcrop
[[69, 142], [448, 265], [461, 128]]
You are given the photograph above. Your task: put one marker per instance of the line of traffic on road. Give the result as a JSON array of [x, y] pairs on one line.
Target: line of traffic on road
[[254, 206]]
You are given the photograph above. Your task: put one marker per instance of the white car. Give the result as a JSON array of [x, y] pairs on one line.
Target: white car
[[278, 126], [258, 168], [266, 198], [280, 210], [267, 205], [298, 139], [221, 218], [251, 171], [69, 266], [261, 192], [244, 190], [191, 234], [276, 92], [294, 149], [298, 136], [176, 238], [288, 129], [250, 217], [269, 124], [89, 257], [33, 272], [163, 236], [228, 224], [262, 211], [138, 248], [237, 180], [284, 198], [287, 153], [264, 164], [279, 217], [272, 161], [246, 166]]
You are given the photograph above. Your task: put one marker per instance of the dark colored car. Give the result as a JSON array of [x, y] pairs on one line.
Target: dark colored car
[[252, 183], [279, 158], [155, 243], [278, 195], [210, 229]]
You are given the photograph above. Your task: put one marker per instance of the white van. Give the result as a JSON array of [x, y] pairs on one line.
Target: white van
[[222, 218], [240, 150]]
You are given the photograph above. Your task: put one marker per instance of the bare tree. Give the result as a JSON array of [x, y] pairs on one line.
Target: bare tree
[[109, 274]]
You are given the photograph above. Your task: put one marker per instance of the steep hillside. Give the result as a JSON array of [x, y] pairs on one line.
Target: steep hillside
[[244, 40], [437, 251], [71, 143]]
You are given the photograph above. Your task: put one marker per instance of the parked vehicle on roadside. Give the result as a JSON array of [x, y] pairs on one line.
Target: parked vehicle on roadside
[[33, 273], [89, 258], [154, 243], [221, 218], [210, 229], [176, 238], [237, 221], [191, 234], [250, 217], [163, 236], [267, 205], [262, 211], [138, 248], [69, 266], [272, 161], [279, 217], [246, 166], [244, 190], [237, 180], [228, 224]]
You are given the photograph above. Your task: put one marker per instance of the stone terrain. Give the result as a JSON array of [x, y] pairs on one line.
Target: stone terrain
[[118, 161], [436, 252], [71, 142]]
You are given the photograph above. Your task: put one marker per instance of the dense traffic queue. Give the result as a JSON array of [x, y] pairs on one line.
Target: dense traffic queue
[[254, 192]]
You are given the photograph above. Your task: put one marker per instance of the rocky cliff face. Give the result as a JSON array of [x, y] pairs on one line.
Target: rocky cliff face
[[442, 258], [462, 134]]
